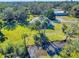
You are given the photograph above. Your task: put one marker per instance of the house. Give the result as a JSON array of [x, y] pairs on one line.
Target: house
[[59, 12]]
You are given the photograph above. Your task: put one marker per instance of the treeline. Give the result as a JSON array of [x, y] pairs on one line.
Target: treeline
[[38, 7]]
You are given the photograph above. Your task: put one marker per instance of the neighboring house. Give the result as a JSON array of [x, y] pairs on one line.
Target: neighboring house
[[59, 12]]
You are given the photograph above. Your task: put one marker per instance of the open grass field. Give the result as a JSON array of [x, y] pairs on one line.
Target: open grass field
[[55, 34]]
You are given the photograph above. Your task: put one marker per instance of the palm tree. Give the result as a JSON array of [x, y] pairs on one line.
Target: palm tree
[[24, 41], [37, 25]]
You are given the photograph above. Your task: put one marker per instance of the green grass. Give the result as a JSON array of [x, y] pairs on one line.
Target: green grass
[[56, 34], [1, 55], [15, 36]]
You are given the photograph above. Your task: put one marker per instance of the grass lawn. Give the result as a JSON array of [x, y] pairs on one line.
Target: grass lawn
[[56, 34]]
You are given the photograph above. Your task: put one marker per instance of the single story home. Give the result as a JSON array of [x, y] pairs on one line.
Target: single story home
[[59, 12]]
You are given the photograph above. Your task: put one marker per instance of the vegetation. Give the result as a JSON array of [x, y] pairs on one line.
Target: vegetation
[[24, 26], [75, 10], [70, 50], [50, 14]]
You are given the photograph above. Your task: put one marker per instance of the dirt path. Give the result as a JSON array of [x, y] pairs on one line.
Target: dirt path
[[61, 19]]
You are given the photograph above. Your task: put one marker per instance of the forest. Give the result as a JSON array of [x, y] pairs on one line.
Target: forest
[[39, 29]]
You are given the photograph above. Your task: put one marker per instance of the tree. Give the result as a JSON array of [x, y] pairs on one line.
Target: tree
[[21, 51], [36, 10], [64, 27], [21, 16], [40, 38], [8, 14], [8, 18], [75, 10], [35, 25], [37, 40], [2, 36], [25, 52], [41, 22], [70, 30], [50, 14], [70, 50], [44, 24], [9, 52]]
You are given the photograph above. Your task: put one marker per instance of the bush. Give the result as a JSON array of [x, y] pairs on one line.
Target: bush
[[71, 49], [75, 11], [22, 51], [9, 51]]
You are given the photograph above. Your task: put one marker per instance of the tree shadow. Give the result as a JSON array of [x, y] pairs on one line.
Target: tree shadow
[[9, 25], [45, 45]]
